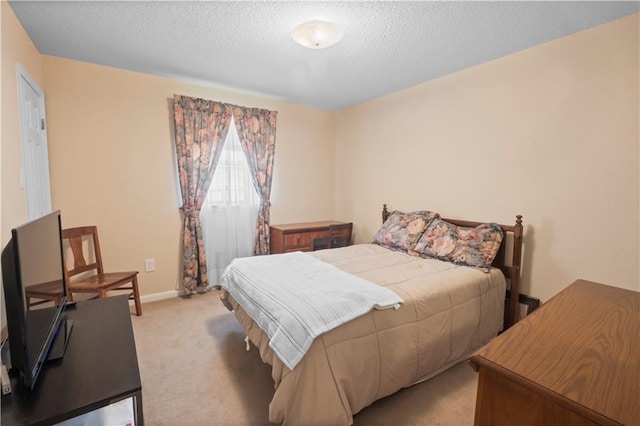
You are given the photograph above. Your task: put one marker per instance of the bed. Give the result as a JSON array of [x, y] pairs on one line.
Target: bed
[[448, 311]]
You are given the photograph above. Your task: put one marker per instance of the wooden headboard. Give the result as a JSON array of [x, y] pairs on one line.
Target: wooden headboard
[[510, 248]]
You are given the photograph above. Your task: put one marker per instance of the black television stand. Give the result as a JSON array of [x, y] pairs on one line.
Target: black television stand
[[99, 367]]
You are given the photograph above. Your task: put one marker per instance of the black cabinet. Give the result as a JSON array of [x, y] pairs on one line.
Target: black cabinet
[[99, 367]]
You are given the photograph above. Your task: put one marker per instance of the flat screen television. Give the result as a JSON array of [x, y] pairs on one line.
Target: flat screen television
[[32, 257]]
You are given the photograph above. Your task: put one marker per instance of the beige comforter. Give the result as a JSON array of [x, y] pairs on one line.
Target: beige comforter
[[448, 312]]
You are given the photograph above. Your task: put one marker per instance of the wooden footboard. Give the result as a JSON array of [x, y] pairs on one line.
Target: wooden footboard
[[513, 251]]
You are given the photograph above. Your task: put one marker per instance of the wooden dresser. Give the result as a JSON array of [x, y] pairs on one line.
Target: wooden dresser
[[573, 361], [298, 236]]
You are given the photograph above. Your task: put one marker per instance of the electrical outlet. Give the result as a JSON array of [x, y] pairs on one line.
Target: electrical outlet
[[149, 265]]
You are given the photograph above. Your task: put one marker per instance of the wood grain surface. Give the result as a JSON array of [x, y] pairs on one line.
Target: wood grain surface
[[581, 349]]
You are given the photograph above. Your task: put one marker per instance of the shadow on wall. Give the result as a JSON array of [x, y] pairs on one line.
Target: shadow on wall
[[540, 240], [528, 243]]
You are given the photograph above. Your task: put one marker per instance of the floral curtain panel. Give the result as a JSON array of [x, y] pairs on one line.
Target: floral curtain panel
[[257, 133], [201, 127]]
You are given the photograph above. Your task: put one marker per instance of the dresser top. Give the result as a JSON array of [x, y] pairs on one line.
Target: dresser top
[[582, 345], [306, 226]]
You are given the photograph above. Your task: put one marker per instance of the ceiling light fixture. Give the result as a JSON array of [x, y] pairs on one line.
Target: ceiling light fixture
[[317, 34]]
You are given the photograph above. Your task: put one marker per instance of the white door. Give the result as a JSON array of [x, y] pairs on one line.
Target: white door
[[35, 154]]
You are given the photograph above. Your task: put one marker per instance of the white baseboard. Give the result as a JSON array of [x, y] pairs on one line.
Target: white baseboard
[[158, 296]]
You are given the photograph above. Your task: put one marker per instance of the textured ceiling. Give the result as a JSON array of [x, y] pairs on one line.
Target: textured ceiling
[[247, 46]]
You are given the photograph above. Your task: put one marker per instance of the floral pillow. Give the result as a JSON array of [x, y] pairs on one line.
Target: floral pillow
[[461, 245], [401, 230]]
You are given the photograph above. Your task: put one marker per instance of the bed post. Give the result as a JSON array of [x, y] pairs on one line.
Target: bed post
[[385, 213], [516, 262]]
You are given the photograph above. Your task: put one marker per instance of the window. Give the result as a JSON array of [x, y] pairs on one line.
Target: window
[[230, 209], [232, 185]]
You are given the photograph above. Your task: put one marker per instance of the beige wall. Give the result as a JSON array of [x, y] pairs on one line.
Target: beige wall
[[550, 133], [17, 48], [112, 161]]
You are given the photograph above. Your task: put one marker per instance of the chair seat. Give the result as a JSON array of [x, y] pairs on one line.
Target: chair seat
[[102, 281], [44, 293], [48, 290]]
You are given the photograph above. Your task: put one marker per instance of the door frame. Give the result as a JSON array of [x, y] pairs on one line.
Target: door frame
[[27, 168]]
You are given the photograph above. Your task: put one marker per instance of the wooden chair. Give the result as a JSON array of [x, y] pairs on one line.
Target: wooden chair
[[44, 293], [340, 235], [99, 282]]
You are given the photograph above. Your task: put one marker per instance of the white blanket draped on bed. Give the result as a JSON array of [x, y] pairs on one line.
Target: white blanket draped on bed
[[295, 297]]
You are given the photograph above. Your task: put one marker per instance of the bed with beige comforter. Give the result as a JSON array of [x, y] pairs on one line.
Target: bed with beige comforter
[[448, 311]]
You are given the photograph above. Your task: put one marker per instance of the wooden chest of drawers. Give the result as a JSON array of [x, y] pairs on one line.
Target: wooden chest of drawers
[[574, 361], [298, 236]]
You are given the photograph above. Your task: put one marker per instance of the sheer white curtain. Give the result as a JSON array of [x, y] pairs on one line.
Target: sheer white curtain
[[230, 209]]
